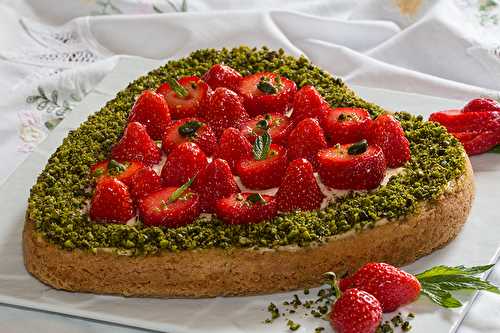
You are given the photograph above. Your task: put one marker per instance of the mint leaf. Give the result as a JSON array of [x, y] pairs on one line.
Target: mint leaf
[[438, 281], [495, 150], [440, 296], [176, 87], [449, 270], [262, 146], [189, 128], [180, 191]]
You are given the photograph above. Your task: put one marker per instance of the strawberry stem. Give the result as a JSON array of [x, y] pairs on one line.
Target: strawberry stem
[[438, 282]]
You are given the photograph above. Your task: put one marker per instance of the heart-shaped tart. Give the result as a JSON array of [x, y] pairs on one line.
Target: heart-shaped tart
[[237, 172]]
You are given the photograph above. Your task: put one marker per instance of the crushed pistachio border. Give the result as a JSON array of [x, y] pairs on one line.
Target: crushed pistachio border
[[59, 195]]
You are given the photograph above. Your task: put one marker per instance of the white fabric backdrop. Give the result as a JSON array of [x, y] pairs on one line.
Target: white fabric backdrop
[[52, 53]]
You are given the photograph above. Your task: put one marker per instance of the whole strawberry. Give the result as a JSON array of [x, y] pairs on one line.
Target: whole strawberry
[[136, 145], [152, 111], [214, 183], [308, 103], [387, 133], [390, 285], [356, 311], [222, 76], [111, 202], [224, 109], [299, 189]]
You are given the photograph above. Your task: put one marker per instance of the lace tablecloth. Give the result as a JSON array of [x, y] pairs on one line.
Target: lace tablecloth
[[52, 53]]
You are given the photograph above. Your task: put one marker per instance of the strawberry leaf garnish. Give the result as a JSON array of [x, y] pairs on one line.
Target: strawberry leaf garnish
[[261, 146], [438, 281], [189, 128], [256, 197], [180, 191], [176, 87], [116, 167]]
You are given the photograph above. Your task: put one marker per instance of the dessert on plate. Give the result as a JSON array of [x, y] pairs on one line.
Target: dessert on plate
[[238, 172]]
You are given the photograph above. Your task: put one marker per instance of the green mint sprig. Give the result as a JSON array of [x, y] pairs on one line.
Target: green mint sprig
[[180, 191], [176, 87], [261, 147], [438, 281]]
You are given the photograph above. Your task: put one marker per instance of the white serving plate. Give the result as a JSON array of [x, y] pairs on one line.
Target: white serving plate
[[478, 243]]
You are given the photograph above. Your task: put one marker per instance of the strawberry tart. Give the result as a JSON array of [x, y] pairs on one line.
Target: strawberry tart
[[237, 172]]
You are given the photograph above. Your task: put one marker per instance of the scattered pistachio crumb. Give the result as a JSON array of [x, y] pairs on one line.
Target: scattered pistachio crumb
[[293, 326]]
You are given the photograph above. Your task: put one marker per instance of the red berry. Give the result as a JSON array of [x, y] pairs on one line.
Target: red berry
[[143, 182], [245, 208], [387, 133], [189, 130], [214, 183], [308, 103], [266, 93], [157, 210], [457, 121], [152, 111], [224, 109], [345, 125], [233, 147], [278, 126], [361, 171], [356, 311], [111, 202], [390, 285], [136, 145], [222, 76], [263, 174], [123, 171], [183, 163], [306, 140], [482, 105], [478, 142], [188, 106], [299, 189]]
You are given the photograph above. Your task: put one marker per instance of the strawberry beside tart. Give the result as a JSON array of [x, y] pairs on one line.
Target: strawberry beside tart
[[237, 172]]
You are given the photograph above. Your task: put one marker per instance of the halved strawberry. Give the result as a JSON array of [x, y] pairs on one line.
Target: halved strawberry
[[278, 125], [185, 96], [136, 145], [213, 183], [245, 208], [222, 76], [306, 140], [189, 130], [233, 147], [183, 163], [478, 142], [357, 166], [299, 189], [167, 207], [224, 108], [482, 105], [458, 121], [152, 111], [266, 92], [345, 125], [122, 171], [143, 182], [308, 103], [111, 202], [387, 133], [265, 172]]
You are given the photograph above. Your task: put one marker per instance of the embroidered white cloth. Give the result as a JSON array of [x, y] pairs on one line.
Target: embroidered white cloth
[[52, 53]]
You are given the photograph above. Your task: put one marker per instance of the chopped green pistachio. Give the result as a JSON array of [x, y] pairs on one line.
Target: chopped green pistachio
[[293, 326], [61, 190]]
